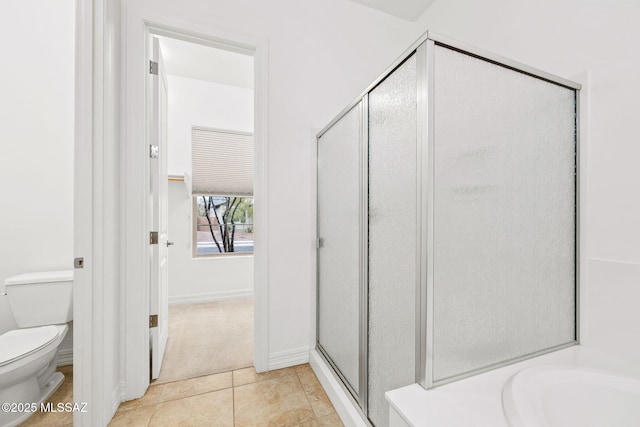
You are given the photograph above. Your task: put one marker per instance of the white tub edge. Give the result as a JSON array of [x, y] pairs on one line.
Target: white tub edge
[[477, 400]]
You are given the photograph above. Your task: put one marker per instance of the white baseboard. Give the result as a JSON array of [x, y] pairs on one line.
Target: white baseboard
[[64, 357], [285, 359], [345, 408], [210, 296]]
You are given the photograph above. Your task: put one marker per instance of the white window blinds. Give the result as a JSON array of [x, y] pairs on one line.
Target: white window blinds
[[222, 162]]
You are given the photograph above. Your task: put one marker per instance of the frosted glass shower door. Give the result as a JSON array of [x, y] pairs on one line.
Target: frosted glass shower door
[[339, 229], [504, 215], [392, 237]]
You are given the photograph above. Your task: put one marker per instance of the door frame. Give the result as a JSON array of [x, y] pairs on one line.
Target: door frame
[[85, 119], [95, 232], [139, 26]]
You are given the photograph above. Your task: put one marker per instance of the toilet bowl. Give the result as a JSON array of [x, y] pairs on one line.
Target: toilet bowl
[[42, 305]]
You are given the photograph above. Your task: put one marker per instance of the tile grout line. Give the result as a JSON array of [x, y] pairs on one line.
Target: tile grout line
[[233, 398], [198, 376], [177, 398], [233, 403], [155, 407], [267, 379], [306, 396]]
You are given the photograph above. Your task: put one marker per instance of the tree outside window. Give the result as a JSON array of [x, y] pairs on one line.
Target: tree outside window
[[224, 224]]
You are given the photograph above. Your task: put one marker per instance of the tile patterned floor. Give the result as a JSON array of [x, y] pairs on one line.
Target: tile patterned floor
[[238, 398], [241, 398]]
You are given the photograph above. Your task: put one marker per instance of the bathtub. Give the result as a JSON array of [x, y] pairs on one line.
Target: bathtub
[[573, 387], [563, 396]]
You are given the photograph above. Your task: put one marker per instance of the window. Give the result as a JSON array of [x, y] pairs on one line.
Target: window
[[223, 225], [222, 189]]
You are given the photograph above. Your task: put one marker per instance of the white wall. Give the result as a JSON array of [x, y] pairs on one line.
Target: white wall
[[321, 55], [36, 140], [567, 38], [202, 103], [200, 279]]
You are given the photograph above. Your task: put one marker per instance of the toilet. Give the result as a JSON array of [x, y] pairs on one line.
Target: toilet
[[41, 304]]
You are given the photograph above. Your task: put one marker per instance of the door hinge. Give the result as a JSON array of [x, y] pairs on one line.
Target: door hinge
[[153, 321], [153, 151], [153, 237], [319, 242], [153, 67], [78, 262]]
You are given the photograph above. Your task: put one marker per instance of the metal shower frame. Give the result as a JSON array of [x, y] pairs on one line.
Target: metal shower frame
[[424, 49]]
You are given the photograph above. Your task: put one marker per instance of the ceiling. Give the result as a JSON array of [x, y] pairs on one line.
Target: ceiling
[[196, 61], [410, 10]]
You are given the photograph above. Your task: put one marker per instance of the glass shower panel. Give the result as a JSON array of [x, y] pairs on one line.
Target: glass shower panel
[[392, 236], [504, 215], [339, 255]]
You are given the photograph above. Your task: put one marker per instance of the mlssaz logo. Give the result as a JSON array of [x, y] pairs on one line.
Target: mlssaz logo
[[63, 407]]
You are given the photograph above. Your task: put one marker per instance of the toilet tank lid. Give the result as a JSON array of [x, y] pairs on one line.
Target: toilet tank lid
[[41, 277]]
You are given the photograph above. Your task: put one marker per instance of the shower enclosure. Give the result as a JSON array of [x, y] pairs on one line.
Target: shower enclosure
[[447, 222]]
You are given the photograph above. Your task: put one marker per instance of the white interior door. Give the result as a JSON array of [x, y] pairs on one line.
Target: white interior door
[[159, 304]]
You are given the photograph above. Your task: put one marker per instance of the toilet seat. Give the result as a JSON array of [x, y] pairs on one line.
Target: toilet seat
[[19, 343]]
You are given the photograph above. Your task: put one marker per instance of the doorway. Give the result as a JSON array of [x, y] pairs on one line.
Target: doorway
[[207, 189], [135, 153]]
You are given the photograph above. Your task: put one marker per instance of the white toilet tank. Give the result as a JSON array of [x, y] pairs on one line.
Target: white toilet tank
[[38, 299]]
